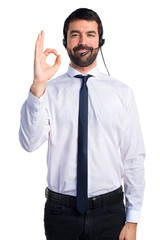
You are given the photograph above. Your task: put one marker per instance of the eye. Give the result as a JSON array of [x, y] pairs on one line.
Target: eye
[[91, 35]]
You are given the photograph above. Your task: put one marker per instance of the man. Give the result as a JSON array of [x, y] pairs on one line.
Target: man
[[94, 139]]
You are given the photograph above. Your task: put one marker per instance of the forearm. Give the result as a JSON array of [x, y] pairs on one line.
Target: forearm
[[133, 155], [134, 184], [34, 126], [37, 89]]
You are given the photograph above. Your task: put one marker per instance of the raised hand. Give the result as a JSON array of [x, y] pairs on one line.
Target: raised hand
[[43, 71]]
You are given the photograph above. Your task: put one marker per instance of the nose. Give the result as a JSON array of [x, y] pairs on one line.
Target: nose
[[82, 40]]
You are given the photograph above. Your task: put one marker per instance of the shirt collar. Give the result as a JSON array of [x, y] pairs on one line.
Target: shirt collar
[[72, 71]]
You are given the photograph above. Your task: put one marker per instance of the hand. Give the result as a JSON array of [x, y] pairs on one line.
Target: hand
[[128, 232], [43, 71]]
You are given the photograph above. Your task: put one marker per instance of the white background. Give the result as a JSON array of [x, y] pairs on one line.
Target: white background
[[132, 53]]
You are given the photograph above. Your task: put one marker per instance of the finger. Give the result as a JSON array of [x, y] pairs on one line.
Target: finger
[[37, 46], [41, 40], [122, 237], [57, 63], [49, 51], [58, 60]]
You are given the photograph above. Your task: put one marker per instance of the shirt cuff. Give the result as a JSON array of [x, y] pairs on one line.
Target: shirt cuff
[[132, 216], [35, 103]]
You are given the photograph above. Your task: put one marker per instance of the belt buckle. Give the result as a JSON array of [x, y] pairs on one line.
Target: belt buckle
[[93, 200], [97, 202]]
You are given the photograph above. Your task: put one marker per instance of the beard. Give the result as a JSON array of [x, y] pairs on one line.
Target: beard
[[80, 60]]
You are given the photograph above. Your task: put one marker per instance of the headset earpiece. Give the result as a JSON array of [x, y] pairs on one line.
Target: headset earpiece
[[101, 42], [64, 43]]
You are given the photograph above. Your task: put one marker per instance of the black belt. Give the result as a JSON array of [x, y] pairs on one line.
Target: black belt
[[110, 198]]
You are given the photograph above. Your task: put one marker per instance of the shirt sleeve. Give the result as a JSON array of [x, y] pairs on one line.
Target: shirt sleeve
[[35, 123], [133, 154]]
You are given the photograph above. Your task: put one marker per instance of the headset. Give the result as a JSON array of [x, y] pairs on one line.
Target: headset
[[101, 43]]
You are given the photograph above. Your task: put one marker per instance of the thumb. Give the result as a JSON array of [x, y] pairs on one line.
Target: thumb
[[58, 60], [122, 234], [57, 63]]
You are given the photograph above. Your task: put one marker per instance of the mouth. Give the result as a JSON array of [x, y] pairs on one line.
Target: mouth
[[82, 49]]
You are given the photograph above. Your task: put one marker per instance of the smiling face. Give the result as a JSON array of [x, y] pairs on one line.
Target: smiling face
[[83, 37]]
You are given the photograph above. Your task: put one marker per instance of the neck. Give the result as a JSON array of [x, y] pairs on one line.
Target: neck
[[84, 70]]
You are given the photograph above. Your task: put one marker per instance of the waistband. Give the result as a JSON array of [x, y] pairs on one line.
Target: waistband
[[109, 199]]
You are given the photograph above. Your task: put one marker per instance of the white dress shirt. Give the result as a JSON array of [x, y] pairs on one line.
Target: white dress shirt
[[115, 145]]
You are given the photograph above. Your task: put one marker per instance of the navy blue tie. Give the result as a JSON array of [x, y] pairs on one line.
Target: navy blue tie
[[82, 161]]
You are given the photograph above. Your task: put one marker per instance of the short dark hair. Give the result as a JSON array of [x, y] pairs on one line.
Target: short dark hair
[[82, 14]]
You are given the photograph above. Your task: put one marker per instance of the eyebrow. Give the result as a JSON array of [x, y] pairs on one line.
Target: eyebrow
[[76, 31]]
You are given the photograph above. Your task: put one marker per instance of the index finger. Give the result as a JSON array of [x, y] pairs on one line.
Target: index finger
[[50, 50]]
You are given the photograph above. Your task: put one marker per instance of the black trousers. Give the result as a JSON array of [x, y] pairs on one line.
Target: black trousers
[[103, 221]]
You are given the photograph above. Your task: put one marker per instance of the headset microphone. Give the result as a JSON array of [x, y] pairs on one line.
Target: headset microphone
[[85, 53]]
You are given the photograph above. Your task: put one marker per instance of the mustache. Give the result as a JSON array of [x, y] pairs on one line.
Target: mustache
[[81, 47]]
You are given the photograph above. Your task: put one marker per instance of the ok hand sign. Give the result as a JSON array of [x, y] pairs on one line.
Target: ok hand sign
[[43, 71]]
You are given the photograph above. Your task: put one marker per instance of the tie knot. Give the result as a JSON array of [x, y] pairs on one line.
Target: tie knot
[[83, 77]]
